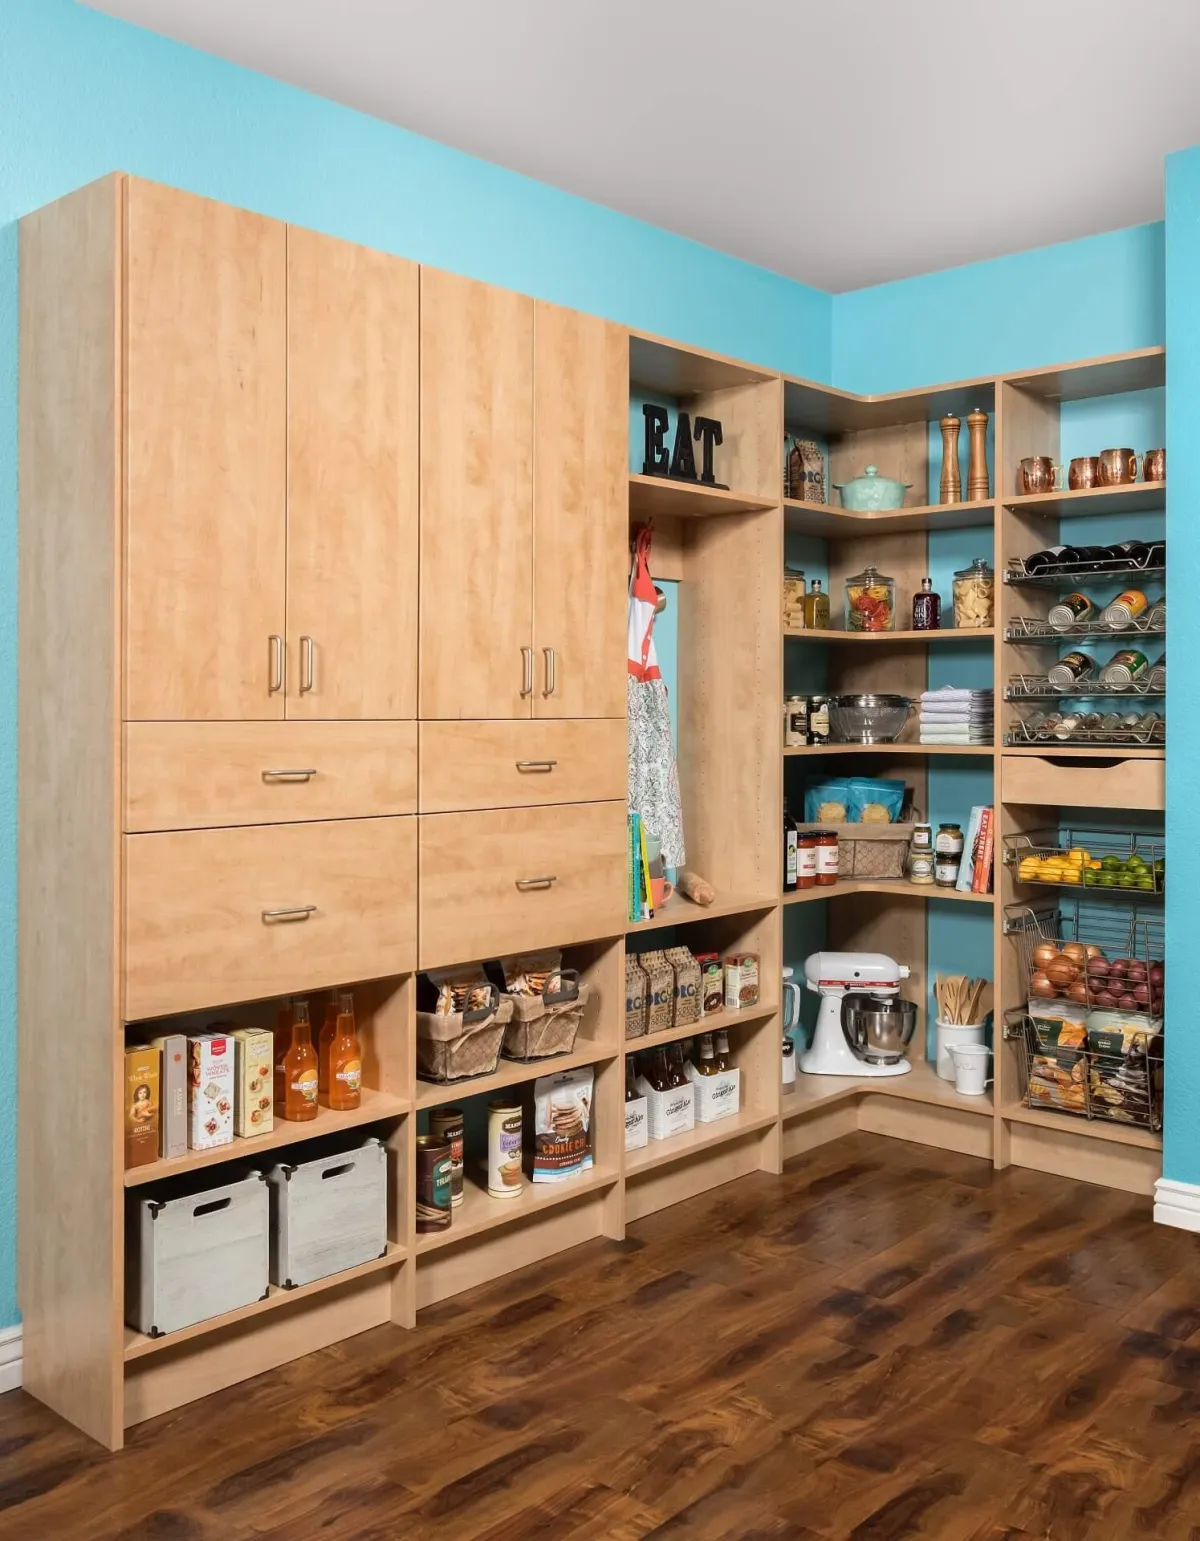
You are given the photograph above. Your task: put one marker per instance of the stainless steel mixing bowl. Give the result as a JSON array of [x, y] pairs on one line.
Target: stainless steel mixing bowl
[[878, 1029], [868, 719]]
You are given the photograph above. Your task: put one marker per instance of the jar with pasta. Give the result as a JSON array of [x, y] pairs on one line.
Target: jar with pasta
[[975, 596], [870, 601]]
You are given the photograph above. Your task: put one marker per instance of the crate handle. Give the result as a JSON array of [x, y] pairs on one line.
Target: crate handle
[[210, 1209], [568, 987], [338, 1171], [481, 1013]]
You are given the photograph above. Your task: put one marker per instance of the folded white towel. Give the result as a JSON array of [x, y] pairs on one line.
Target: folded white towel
[[952, 693], [955, 713], [956, 738]]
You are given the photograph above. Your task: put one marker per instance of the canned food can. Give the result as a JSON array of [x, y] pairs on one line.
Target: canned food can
[[504, 1149], [1125, 667], [446, 1125], [1111, 722], [1131, 721], [1073, 610], [1071, 668], [1068, 725], [1125, 609], [433, 1183], [1158, 674]]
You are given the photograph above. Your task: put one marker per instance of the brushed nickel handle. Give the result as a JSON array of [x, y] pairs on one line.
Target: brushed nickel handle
[[306, 664], [526, 671], [525, 884], [288, 775], [540, 767], [291, 912], [275, 665], [548, 654]]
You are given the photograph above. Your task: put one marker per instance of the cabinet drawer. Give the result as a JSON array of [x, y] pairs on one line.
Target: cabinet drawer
[[472, 863], [199, 927], [470, 765], [209, 775], [1083, 783]]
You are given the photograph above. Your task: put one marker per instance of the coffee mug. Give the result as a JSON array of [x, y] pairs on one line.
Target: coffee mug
[[1118, 467], [1040, 474], [660, 891], [971, 1077], [1154, 465], [1084, 472]]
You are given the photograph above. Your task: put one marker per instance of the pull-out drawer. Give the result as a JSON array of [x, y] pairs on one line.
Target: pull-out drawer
[[494, 883], [1090, 782], [469, 765], [220, 915], [208, 775]]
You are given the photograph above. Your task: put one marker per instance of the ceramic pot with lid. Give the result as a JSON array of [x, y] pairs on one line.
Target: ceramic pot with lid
[[870, 493]]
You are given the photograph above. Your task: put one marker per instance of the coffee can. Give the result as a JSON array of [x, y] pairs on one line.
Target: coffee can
[[433, 1184], [446, 1125], [1125, 609], [1125, 667], [1071, 668], [1072, 610], [504, 1149]]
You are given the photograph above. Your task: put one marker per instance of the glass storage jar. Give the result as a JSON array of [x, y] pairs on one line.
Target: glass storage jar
[[870, 601], [975, 596]]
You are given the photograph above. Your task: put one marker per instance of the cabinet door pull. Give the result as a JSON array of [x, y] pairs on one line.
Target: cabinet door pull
[[288, 775], [538, 767], [275, 681], [289, 913], [548, 654], [525, 884], [526, 671], [306, 665]]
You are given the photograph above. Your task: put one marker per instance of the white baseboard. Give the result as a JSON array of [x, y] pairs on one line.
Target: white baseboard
[[1177, 1204], [10, 1358]]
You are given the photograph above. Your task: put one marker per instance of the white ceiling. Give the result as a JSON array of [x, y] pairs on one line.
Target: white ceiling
[[841, 142]]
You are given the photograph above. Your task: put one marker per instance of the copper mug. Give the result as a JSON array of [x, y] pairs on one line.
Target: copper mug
[[1118, 467], [1154, 465], [1040, 474], [1084, 472]]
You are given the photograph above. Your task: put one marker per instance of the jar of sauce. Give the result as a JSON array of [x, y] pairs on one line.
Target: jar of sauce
[[806, 859], [947, 855], [827, 857]]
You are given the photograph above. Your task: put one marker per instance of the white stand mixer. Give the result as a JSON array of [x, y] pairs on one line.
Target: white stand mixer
[[836, 975]]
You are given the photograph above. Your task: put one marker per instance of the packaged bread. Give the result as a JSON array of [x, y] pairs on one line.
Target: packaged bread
[[1125, 1055], [687, 998], [532, 973], [1058, 1063], [660, 978], [464, 987]]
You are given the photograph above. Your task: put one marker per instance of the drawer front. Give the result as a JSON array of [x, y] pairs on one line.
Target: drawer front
[[203, 925], [1073, 783], [210, 775], [472, 863], [469, 765]]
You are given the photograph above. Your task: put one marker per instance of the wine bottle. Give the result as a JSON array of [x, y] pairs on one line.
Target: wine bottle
[[1053, 556]]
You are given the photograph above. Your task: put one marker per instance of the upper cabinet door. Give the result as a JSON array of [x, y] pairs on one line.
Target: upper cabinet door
[[581, 514], [205, 390], [476, 499], [352, 480]]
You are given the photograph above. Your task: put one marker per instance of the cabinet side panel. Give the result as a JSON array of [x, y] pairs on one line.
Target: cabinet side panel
[[69, 1112]]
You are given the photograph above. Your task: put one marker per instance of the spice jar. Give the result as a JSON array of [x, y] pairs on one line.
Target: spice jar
[[827, 858], [975, 596], [806, 859], [947, 855], [870, 601]]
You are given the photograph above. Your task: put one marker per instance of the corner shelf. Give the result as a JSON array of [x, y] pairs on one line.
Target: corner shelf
[[922, 1084], [824, 520], [1087, 1128], [715, 1022], [479, 1212], [899, 888], [944, 634], [658, 497], [984, 751]]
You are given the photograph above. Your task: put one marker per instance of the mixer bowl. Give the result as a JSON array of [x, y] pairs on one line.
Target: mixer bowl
[[868, 719], [878, 1030]]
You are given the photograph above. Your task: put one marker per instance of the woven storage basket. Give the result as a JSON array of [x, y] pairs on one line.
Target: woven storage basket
[[547, 1024], [462, 1044], [875, 851]]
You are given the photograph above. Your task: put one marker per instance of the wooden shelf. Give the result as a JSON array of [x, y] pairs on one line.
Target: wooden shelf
[[822, 409], [1085, 1128], [824, 520], [1142, 369], [921, 1084], [984, 751], [657, 497], [663, 1152], [947, 634], [431, 1094], [137, 1344], [658, 366], [375, 1106], [898, 888], [1134, 498], [478, 1212], [679, 911], [714, 1023]]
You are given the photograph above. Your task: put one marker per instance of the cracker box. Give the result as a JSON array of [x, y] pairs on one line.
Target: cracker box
[[670, 1112], [741, 980], [717, 1096], [210, 1090], [142, 1080], [173, 1105], [254, 1082]]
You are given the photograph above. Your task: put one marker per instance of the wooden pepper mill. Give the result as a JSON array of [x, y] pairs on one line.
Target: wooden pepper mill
[[951, 483], [978, 486]]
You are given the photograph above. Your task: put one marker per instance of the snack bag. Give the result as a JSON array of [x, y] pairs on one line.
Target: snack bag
[[562, 1125]]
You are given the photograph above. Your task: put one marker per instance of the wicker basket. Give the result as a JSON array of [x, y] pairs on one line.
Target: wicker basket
[[462, 1044], [875, 851], [547, 1024]]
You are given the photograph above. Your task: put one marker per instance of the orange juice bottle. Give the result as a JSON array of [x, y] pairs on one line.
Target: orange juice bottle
[[282, 1035], [300, 1069], [345, 1060], [328, 1030]]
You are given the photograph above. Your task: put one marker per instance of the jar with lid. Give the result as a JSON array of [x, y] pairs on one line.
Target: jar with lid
[[870, 601], [793, 597], [920, 855], [827, 858], [947, 855], [818, 719], [795, 722], [975, 596], [806, 859]]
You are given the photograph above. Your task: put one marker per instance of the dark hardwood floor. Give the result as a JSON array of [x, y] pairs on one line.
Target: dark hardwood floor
[[887, 1342]]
